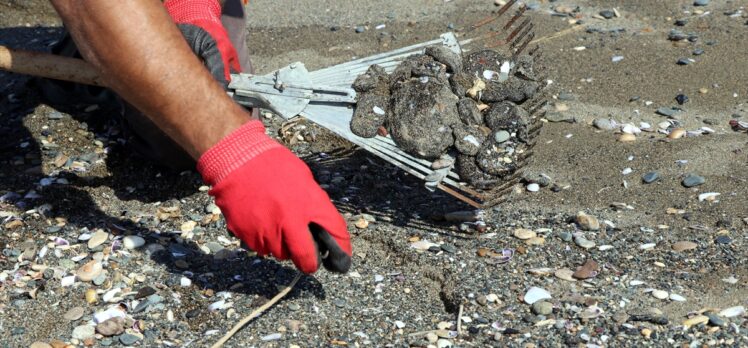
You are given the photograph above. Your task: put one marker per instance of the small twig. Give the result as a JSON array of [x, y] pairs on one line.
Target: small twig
[[459, 321], [256, 313], [559, 34]]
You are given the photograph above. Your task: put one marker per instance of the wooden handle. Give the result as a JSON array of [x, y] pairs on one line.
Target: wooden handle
[[49, 66]]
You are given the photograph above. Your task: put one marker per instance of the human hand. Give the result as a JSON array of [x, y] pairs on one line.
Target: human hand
[[271, 201], [200, 23]]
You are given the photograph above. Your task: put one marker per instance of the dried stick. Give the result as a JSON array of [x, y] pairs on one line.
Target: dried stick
[[459, 321], [559, 33], [256, 313]]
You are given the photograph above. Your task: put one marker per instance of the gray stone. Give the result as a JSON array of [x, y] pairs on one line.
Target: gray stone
[[469, 139], [83, 331], [604, 124], [100, 279], [111, 327], [701, 2], [422, 116], [128, 339], [214, 247], [715, 320], [460, 83], [692, 180], [501, 136], [607, 14], [469, 171], [683, 61], [668, 112], [369, 115], [650, 177], [449, 248], [514, 89], [444, 55], [469, 113], [542, 308], [509, 117]]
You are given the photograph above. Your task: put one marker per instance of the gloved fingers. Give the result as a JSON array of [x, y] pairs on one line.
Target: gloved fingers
[[330, 233], [301, 247], [206, 48], [334, 258]]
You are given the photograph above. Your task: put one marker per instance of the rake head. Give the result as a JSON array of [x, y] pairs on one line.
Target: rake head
[[507, 34]]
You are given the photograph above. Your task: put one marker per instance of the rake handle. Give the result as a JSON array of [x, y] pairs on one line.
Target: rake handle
[[49, 66]]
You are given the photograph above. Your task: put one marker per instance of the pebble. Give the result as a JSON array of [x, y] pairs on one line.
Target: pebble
[[89, 271], [715, 320], [697, 320], [212, 208], [650, 177], [535, 294], [681, 99], [133, 242], [723, 240], [492, 298], [701, 2], [660, 294], [627, 138], [692, 180], [448, 248], [587, 222], [584, 242], [91, 296], [587, 270], [647, 246], [111, 327], [667, 112], [74, 313], [677, 298], [443, 343], [684, 61], [128, 339], [523, 233], [565, 274], [501, 136], [607, 14], [97, 239], [542, 308], [677, 133], [566, 236], [684, 246], [604, 124], [432, 337], [533, 187], [360, 29], [185, 282], [39, 344], [732, 312], [84, 331]]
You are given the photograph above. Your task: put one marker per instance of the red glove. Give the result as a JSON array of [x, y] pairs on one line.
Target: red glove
[[271, 201], [200, 23]]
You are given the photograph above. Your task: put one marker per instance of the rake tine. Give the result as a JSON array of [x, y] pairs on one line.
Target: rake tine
[[522, 35], [524, 45], [516, 16], [535, 50], [537, 108], [517, 30], [460, 196], [490, 19]]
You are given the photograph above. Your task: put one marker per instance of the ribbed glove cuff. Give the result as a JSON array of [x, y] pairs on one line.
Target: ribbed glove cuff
[[234, 151], [194, 11]]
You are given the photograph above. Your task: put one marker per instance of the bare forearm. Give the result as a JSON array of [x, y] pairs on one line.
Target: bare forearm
[[144, 58]]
